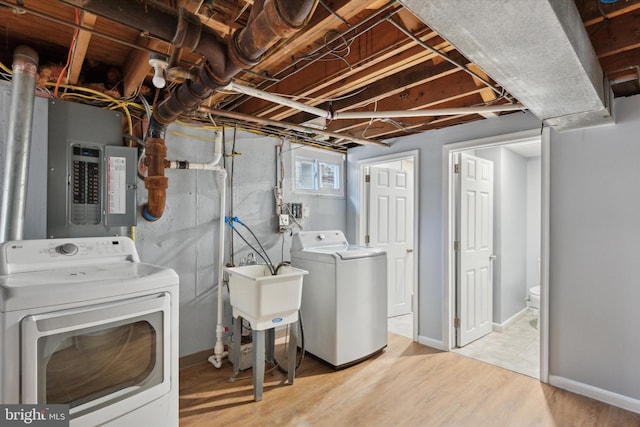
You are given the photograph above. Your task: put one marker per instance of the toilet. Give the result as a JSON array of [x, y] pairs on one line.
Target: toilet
[[534, 301], [534, 297]]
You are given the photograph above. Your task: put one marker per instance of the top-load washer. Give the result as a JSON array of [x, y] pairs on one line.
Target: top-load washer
[[344, 297], [85, 323]]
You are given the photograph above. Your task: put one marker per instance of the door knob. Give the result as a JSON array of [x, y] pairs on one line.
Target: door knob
[[409, 251], [493, 257]]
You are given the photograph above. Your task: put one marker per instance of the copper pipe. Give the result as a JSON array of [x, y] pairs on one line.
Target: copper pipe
[[155, 183]]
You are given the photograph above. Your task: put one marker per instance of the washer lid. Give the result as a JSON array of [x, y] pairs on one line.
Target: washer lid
[[343, 252], [353, 252]]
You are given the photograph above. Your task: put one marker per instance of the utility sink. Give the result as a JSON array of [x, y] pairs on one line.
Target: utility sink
[[266, 301]]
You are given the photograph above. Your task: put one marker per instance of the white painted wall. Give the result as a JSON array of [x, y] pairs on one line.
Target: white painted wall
[[595, 254], [533, 221], [594, 245], [431, 224], [185, 238], [509, 231], [513, 256]]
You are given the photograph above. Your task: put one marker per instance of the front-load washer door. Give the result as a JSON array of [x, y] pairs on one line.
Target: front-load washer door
[[104, 358]]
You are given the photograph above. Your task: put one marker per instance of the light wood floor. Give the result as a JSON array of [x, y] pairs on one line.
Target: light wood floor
[[407, 385]]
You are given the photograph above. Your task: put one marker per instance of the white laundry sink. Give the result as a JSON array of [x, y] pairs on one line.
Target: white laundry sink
[[266, 301]]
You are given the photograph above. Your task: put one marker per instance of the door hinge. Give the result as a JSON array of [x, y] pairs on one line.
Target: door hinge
[[366, 239], [456, 245], [456, 168], [456, 322], [367, 178]]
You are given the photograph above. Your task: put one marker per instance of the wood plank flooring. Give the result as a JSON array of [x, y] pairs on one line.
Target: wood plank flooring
[[407, 385]]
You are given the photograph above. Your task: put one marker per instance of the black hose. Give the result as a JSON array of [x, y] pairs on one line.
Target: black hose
[[268, 262]]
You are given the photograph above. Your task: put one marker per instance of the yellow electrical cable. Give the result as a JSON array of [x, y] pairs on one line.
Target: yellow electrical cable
[[5, 69], [101, 97], [125, 104]]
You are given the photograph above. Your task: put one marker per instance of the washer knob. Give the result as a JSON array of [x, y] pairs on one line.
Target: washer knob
[[67, 249], [321, 236]]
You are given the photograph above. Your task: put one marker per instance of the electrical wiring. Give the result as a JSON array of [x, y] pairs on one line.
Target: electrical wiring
[[6, 69], [99, 96], [186, 135], [299, 64], [127, 104], [74, 41], [337, 52], [333, 12]]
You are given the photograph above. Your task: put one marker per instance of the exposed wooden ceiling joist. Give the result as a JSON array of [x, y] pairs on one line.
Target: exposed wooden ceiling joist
[[385, 69]]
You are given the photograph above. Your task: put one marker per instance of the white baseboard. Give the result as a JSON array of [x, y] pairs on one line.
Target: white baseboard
[[602, 395], [430, 342], [501, 327]]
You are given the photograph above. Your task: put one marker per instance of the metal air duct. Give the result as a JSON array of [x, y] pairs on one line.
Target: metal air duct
[[538, 50], [18, 144]]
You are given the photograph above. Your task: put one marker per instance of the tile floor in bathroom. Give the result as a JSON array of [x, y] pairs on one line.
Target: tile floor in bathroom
[[516, 349]]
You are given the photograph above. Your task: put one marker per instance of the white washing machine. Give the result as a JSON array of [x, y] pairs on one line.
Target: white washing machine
[[84, 323], [344, 297]]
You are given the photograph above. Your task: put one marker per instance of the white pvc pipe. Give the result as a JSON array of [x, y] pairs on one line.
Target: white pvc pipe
[[427, 113], [218, 350], [211, 166], [257, 93]]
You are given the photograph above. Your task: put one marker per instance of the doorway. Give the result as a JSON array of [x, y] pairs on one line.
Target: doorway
[[388, 221], [512, 320]]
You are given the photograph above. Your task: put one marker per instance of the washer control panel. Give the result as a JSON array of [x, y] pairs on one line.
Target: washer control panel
[[35, 255], [315, 239]]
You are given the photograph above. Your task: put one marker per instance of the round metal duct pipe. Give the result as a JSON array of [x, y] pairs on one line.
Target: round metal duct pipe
[[18, 144]]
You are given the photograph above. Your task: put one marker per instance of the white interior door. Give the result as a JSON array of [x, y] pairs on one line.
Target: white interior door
[[475, 249], [391, 229]]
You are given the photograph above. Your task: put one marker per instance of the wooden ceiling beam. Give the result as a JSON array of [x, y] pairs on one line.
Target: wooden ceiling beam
[[284, 53], [487, 94], [622, 65], [378, 53], [394, 85], [590, 13], [360, 80], [617, 35], [382, 130], [431, 94], [87, 20]]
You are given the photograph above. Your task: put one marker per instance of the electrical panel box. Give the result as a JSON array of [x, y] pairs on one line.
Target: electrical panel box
[[91, 181]]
